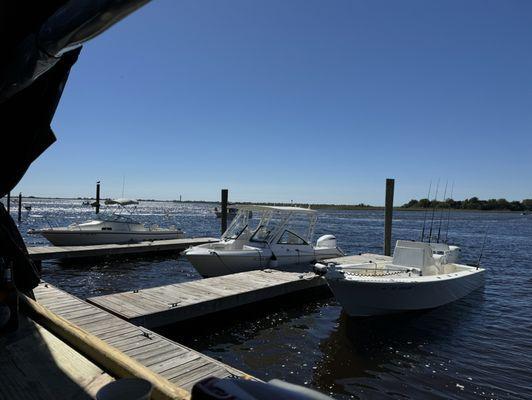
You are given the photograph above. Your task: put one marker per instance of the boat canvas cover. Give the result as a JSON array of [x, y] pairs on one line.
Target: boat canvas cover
[[413, 254]]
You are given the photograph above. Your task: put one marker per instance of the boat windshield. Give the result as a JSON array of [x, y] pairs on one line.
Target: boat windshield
[[240, 223], [116, 218], [272, 223], [266, 225]]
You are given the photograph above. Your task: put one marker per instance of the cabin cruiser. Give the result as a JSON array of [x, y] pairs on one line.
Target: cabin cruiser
[[108, 229], [414, 280], [263, 237]]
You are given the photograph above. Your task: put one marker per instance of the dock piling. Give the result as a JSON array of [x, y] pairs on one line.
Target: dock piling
[[388, 216], [97, 203], [224, 210], [19, 207]]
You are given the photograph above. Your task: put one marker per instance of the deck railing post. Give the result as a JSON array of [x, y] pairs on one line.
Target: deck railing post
[[388, 216], [224, 210]]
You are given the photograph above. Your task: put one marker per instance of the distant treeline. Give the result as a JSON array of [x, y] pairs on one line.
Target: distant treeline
[[474, 203]]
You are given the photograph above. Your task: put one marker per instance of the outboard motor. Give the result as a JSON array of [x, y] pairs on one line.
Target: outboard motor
[[328, 241]]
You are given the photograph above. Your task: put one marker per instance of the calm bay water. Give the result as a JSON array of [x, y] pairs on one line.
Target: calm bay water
[[478, 347]]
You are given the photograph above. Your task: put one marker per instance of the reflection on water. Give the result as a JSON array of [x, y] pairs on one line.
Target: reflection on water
[[478, 347]]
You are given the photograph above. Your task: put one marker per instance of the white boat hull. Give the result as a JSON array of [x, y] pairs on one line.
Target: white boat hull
[[371, 297], [211, 262], [86, 238]]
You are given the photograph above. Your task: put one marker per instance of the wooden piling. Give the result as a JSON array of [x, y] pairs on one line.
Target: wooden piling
[[19, 207], [8, 202], [224, 210], [388, 215], [97, 203]]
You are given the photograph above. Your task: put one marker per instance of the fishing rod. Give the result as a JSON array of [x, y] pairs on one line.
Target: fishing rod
[[434, 210], [449, 215], [441, 213], [482, 248], [425, 216]]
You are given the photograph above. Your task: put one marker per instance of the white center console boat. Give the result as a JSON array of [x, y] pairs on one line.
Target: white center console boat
[[414, 280]]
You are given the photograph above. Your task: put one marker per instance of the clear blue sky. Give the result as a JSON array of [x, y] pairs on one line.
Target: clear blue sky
[[311, 101]]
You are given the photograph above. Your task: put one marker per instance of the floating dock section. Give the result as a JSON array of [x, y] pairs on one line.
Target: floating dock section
[[164, 305], [158, 246], [179, 364]]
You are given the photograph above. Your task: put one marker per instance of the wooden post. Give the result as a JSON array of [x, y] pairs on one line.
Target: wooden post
[[8, 202], [224, 210], [97, 206], [19, 207], [388, 215]]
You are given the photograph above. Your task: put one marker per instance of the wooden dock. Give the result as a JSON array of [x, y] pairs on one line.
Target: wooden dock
[[159, 246], [37, 365], [175, 362], [164, 305]]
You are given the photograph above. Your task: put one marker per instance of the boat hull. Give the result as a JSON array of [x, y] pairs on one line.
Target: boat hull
[[87, 238], [365, 297], [214, 262]]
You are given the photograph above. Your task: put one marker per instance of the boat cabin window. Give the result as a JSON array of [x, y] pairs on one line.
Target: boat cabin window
[[107, 228], [291, 238]]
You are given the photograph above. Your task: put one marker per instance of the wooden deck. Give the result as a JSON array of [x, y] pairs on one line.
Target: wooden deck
[[164, 305], [177, 363], [58, 252], [37, 365]]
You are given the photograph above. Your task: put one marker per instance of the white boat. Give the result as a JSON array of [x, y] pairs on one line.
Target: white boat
[[414, 280], [263, 237], [115, 228]]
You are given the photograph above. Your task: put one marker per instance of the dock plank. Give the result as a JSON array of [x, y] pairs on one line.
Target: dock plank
[[140, 343], [40, 253]]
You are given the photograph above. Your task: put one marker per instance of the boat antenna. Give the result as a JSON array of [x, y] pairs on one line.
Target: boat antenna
[[434, 210], [441, 213], [123, 184], [425, 215], [482, 248], [449, 214]]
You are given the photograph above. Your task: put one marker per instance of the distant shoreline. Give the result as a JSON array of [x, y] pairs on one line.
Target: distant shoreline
[[338, 207]]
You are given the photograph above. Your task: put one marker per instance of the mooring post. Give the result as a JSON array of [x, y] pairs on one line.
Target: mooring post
[[8, 202], [19, 207], [97, 205], [388, 215], [224, 210]]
